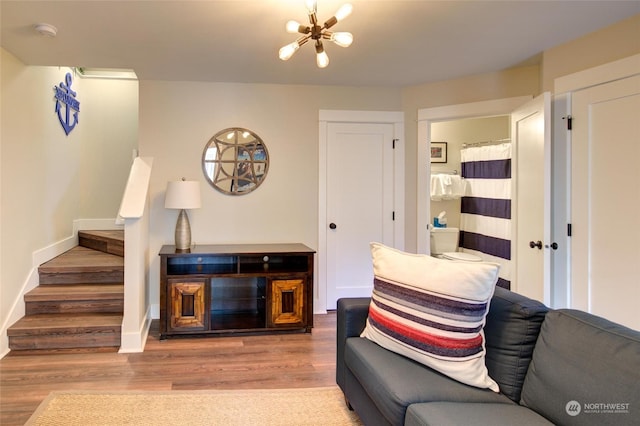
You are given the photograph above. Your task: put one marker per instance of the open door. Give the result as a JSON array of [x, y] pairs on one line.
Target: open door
[[531, 244]]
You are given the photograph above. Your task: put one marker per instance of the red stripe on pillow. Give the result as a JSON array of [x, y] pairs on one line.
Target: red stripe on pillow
[[422, 336]]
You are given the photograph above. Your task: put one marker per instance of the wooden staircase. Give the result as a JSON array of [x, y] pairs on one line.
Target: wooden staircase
[[79, 303]]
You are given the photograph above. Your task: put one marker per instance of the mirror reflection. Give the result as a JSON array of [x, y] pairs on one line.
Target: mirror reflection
[[235, 161]]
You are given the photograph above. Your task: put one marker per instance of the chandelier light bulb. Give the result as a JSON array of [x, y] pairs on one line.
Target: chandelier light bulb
[[287, 51], [293, 26], [344, 11], [342, 39], [322, 59], [312, 5]]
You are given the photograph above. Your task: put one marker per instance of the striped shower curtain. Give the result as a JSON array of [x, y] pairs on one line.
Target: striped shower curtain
[[485, 221]]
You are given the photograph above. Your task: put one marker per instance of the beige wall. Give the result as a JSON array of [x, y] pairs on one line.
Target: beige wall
[[49, 179], [111, 120], [607, 45], [177, 119], [40, 171]]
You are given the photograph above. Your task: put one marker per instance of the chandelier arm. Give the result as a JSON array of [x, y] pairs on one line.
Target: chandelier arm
[[330, 22], [302, 40]]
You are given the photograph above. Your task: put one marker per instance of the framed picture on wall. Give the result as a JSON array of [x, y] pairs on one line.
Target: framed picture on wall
[[438, 152]]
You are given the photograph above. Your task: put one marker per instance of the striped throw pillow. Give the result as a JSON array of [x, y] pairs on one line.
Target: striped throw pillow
[[432, 311]]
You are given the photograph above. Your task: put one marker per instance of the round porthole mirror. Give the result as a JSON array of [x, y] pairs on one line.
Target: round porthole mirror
[[235, 161]]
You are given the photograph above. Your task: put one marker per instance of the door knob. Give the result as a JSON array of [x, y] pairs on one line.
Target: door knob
[[553, 246], [536, 244], [333, 225]]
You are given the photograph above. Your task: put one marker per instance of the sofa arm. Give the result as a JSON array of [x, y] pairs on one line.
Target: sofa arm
[[352, 317]]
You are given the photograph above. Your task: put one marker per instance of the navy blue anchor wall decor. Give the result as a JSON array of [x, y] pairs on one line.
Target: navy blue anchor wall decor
[[66, 100]]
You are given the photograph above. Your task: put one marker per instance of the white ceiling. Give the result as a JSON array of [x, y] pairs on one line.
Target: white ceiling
[[396, 43]]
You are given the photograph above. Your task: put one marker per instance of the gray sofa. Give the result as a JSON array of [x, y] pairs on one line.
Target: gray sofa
[[553, 367]]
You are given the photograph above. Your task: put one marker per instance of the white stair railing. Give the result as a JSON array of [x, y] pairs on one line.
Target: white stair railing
[[134, 213]]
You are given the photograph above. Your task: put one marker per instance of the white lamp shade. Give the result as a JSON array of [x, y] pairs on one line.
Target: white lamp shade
[[182, 194]]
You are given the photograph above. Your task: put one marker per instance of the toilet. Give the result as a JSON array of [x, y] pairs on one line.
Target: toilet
[[444, 245]]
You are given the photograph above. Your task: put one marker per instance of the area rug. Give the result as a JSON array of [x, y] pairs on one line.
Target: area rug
[[310, 406]]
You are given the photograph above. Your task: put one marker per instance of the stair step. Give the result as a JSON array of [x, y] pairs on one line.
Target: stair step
[[65, 331], [77, 298], [82, 265], [110, 241]]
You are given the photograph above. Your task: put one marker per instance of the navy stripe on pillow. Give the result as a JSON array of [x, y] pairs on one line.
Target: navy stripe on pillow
[[491, 169], [468, 311], [422, 321], [483, 243], [492, 207]]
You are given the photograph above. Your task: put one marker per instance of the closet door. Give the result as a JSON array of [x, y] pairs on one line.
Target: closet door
[[605, 200], [531, 204]]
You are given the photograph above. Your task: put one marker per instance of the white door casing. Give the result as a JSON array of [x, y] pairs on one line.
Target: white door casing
[[531, 203], [361, 193]]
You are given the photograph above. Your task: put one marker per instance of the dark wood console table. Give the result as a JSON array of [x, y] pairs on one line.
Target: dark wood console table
[[236, 288]]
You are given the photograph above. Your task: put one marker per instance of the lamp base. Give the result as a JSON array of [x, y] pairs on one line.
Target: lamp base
[[183, 231]]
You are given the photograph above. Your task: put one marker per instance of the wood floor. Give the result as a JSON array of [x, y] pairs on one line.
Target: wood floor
[[252, 362]]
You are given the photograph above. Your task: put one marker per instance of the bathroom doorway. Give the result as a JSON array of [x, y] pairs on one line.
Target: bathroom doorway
[[479, 208], [529, 126]]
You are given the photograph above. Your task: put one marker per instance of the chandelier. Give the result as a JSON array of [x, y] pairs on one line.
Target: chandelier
[[317, 33]]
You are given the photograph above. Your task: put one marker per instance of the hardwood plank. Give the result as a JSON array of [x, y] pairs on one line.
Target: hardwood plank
[[83, 259], [75, 292], [36, 324], [109, 241], [82, 265], [269, 362]]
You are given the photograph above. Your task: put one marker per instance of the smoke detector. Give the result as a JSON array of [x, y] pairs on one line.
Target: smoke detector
[[47, 30]]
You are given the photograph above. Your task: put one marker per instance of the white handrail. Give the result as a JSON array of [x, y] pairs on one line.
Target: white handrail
[[135, 193], [134, 213]]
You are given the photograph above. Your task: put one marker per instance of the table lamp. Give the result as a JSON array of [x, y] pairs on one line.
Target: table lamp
[[183, 195]]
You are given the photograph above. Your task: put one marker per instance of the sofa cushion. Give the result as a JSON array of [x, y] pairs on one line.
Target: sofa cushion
[[511, 331], [465, 413], [393, 382], [585, 371], [432, 311]]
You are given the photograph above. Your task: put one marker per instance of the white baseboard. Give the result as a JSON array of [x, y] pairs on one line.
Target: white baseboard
[[135, 342]]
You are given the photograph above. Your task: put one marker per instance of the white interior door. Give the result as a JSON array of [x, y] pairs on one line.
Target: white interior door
[[360, 194], [605, 199], [531, 204]]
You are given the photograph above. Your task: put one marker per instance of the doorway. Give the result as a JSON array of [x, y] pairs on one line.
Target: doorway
[[525, 114], [468, 202]]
